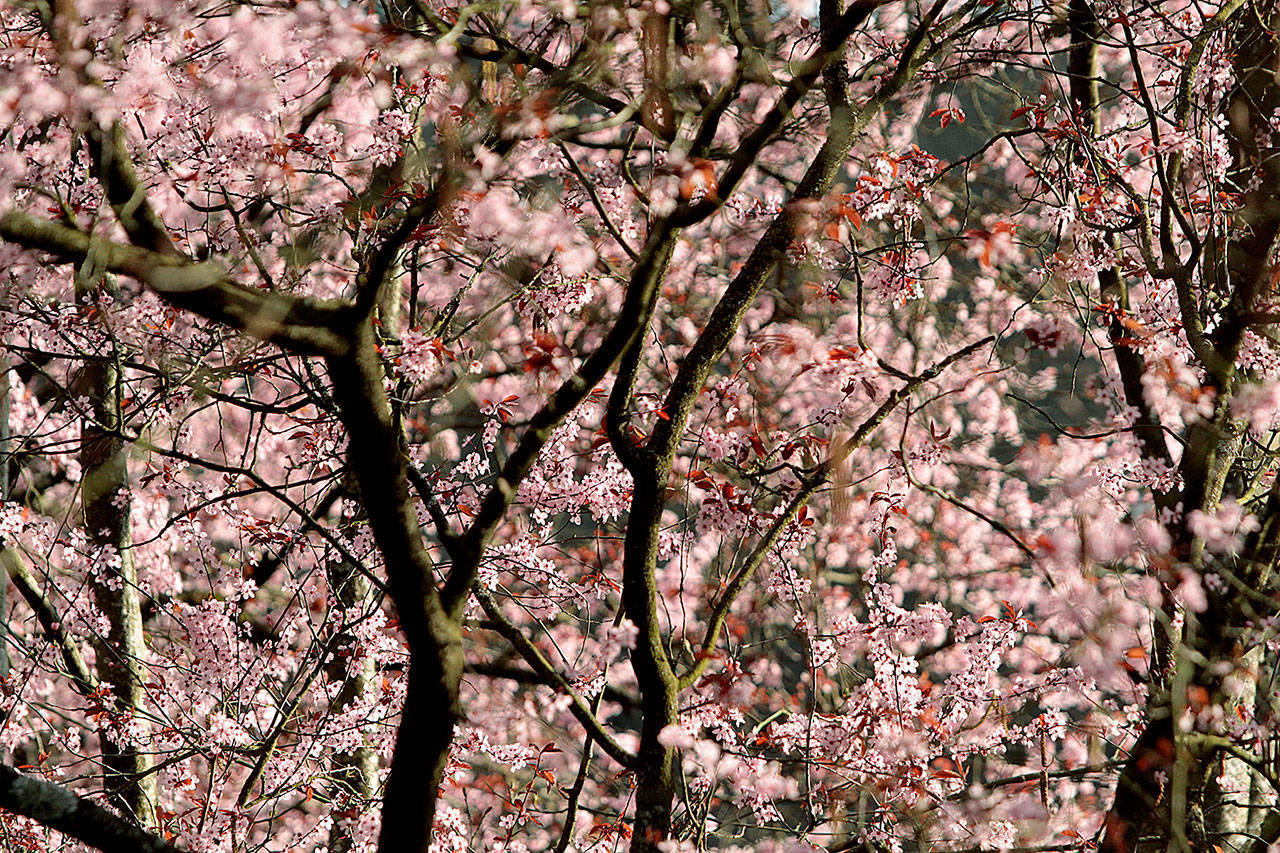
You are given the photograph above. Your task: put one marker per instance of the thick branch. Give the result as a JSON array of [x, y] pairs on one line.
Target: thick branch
[[303, 326], [638, 303], [771, 248], [1082, 69], [435, 640], [47, 615], [58, 808], [835, 31]]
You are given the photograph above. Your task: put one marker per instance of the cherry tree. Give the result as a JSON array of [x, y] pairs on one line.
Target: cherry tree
[[560, 426]]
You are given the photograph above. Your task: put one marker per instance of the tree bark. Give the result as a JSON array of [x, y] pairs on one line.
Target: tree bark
[[84, 820], [1182, 789], [353, 777], [655, 763], [431, 707], [121, 653], [5, 486]]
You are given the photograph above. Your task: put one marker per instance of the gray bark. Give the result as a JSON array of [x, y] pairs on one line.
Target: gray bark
[[121, 653]]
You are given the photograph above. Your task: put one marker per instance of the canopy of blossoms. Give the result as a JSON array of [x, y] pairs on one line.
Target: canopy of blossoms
[[655, 425]]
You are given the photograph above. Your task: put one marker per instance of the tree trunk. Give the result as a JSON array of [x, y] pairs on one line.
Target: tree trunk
[[431, 711], [431, 707], [121, 652], [5, 486], [655, 765], [354, 775]]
